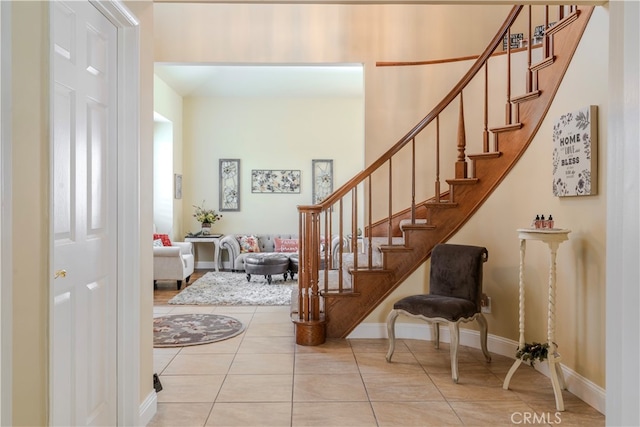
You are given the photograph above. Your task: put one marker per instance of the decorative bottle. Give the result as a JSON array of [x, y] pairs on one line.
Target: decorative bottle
[[543, 222], [550, 222], [536, 222]]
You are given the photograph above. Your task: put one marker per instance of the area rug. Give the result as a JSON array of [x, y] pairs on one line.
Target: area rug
[[180, 330], [225, 288]]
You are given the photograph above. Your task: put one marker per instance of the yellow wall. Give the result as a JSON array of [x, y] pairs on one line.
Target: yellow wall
[[395, 99], [30, 180]]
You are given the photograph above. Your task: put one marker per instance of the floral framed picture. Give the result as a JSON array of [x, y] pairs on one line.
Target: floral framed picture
[[177, 186], [229, 185], [275, 181], [575, 153], [322, 179]]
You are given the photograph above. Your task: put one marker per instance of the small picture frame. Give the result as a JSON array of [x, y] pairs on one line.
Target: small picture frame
[[322, 171], [177, 186], [229, 185]]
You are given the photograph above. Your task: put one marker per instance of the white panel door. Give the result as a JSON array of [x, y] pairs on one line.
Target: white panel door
[[84, 304]]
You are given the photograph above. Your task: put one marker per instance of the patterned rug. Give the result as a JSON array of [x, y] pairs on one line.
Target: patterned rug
[[180, 330], [226, 288]]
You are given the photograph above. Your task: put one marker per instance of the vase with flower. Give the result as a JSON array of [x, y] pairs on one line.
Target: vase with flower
[[206, 217]]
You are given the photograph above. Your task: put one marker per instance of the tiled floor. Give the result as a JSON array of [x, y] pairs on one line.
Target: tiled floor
[[262, 378]]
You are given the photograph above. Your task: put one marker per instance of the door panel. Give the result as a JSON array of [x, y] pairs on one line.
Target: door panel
[[83, 341]]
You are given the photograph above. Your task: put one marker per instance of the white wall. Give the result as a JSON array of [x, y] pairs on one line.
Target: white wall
[[163, 176]]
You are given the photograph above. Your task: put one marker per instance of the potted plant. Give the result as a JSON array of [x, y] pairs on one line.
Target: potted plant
[[206, 217], [531, 352]]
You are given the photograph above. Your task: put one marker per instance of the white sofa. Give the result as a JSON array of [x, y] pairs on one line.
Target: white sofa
[[175, 262]]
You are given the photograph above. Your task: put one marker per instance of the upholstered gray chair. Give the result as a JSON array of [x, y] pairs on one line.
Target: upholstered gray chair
[[455, 292]]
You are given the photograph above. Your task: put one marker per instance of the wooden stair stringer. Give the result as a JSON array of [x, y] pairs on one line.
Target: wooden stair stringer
[[344, 314]]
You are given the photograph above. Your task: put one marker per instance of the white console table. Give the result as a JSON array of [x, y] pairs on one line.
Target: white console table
[[553, 238], [215, 239]]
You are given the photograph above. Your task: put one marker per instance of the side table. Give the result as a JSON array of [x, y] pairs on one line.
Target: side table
[[213, 238], [552, 237]]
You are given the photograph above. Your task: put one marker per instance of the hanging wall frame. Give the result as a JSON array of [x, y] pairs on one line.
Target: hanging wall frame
[[229, 185]]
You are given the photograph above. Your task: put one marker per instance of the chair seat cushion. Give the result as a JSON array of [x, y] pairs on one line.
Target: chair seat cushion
[[449, 308]]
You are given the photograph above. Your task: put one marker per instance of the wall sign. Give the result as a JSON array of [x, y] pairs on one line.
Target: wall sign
[[322, 179], [575, 153]]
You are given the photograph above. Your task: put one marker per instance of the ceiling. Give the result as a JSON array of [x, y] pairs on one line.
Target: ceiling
[[205, 80]]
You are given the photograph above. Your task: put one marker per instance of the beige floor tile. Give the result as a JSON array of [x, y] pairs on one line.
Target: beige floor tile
[[492, 413], [189, 388], [199, 364], [274, 308], [331, 345], [333, 414], [234, 309], [376, 346], [181, 415], [160, 362], [472, 386], [270, 330], [326, 363], [187, 309], [440, 363], [323, 387], [576, 413], [267, 345], [401, 387], [250, 414], [167, 351], [258, 364], [271, 317], [256, 388], [376, 363], [421, 414], [230, 345]]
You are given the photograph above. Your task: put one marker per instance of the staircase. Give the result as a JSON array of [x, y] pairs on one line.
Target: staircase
[[337, 292]]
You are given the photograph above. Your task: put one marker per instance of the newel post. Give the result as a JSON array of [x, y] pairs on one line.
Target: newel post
[[309, 322]]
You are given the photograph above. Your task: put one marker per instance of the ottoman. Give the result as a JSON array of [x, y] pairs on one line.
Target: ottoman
[[267, 265], [293, 265]]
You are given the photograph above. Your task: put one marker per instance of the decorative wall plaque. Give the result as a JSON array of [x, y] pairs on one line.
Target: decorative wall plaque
[[575, 153], [229, 185], [275, 181]]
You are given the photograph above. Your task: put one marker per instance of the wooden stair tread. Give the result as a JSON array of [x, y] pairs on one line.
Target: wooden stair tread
[[526, 97], [506, 128], [563, 23], [441, 204], [418, 227], [489, 155], [542, 64], [462, 181]]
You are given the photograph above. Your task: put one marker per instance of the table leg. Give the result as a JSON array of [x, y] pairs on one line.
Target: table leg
[[216, 255], [554, 367]]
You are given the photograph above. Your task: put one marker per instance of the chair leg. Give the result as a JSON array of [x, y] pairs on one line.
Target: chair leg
[[187, 279], [436, 334], [179, 284], [483, 336], [391, 331], [155, 284], [454, 331]]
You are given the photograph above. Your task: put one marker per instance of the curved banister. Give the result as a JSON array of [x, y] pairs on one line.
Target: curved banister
[[497, 39]]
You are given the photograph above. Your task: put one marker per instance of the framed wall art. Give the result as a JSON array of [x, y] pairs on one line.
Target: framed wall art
[[322, 171], [575, 153], [177, 186], [229, 184], [275, 181]]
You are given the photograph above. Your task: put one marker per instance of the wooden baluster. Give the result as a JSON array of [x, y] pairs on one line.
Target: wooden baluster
[[354, 226], [315, 253], [301, 282], [485, 132], [390, 202], [340, 245], [545, 38], [461, 164], [413, 180], [437, 161], [560, 12], [529, 72], [508, 106], [369, 236]]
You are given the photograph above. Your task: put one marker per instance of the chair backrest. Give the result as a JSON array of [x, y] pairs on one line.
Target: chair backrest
[[456, 271]]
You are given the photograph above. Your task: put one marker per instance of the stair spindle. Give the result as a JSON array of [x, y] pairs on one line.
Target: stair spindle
[[461, 164]]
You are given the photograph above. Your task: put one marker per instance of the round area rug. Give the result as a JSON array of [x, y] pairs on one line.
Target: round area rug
[[179, 330]]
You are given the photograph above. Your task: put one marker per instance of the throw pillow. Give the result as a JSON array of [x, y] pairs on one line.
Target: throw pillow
[[164, 237], [248, 244], [286, 245], [157, 243]]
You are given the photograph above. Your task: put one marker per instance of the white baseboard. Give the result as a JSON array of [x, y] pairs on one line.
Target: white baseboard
[[148, 408], [205, 264], [581, 387]]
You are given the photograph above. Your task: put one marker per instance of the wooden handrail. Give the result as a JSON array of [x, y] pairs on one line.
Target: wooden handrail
[[495, 42]]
